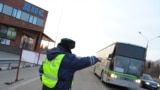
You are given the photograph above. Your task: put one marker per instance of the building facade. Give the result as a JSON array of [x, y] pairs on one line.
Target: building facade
[[21, 25]]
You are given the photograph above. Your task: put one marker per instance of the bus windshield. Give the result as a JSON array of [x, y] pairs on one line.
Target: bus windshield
[[128, 65]]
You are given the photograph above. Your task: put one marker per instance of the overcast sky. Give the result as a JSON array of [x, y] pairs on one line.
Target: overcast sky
[[94, 24]]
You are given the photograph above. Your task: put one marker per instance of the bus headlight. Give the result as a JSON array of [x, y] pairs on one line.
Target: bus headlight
[[138, 81], [113, 76]]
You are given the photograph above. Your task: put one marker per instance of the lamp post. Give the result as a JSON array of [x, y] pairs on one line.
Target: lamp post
[[148, 40]]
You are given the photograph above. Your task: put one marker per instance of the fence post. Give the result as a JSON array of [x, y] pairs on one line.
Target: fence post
[[9, 66]]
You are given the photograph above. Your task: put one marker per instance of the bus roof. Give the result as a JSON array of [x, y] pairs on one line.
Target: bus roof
[[121, 43], [128, 50]]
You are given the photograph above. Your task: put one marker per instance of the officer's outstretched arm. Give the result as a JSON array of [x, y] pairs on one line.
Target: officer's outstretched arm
[[83, 62]]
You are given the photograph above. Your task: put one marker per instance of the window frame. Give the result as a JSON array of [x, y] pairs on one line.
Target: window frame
[[14, 12], [19, 13], [1, 7], [7, 10]]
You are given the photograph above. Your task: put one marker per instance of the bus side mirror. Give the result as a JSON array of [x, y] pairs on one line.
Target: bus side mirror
[[110, 57]]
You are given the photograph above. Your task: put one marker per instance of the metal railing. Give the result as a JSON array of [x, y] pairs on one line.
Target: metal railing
[[12, 63]]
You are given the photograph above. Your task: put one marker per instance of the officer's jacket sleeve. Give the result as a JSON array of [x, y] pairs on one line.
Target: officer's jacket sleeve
[[77, 63]]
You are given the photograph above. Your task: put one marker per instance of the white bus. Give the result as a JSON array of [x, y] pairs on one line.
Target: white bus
[[122, 64]]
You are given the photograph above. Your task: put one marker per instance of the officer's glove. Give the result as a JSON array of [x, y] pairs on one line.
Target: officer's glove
[[100, 59]]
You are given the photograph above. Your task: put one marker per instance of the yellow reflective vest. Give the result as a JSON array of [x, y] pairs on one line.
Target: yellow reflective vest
[[50, 71]]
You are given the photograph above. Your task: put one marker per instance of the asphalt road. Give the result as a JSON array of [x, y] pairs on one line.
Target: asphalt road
[[29, 75], [87, 80], [83, 80]]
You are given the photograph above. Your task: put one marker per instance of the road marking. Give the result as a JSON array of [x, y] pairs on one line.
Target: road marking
[[23, 83]]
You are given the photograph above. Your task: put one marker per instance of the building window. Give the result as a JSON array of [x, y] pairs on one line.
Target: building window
[[25, 16], [40, 22], [34, 20], [5, 41], [8, 32], [14, 13], [27, 42], [11, 34], [7, 10], [30, 19], [8, 42], [19, 12], [1, 7], [3, 31]]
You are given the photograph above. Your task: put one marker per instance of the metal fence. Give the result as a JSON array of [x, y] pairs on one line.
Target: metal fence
[[12, 63]]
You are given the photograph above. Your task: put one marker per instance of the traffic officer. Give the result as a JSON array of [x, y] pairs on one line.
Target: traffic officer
[[59, 65]]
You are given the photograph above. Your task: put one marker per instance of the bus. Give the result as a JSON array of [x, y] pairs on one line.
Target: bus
[[122, 64]]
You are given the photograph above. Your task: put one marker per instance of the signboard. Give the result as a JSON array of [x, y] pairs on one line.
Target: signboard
[[32, 57]]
